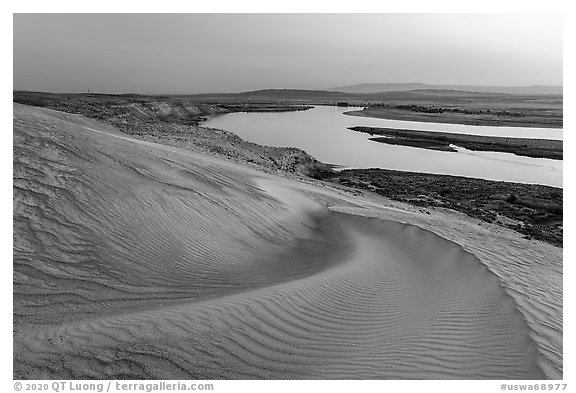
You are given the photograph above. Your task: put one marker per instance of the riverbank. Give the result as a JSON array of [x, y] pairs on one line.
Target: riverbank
[[423, 105], [535, 211], [124, 109], [536, 148], [470, 112]]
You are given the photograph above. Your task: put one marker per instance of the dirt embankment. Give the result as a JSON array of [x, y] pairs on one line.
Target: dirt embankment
[[175, 121]]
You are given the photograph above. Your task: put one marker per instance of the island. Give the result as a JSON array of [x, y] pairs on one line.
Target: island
[[444, 141]]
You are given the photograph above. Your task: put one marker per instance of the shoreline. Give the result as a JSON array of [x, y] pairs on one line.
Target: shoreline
[[535, 211], [432, 140], [405, 115]]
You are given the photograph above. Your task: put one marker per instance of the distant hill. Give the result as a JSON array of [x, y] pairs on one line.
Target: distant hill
[[371, 88], [288, 93]]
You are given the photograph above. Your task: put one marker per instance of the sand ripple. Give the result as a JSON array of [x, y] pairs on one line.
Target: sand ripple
[[135, 260]]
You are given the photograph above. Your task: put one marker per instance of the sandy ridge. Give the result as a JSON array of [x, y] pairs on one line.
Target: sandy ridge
[[171, 264]]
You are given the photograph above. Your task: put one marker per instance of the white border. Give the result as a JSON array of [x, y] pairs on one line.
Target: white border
[[300, 6]]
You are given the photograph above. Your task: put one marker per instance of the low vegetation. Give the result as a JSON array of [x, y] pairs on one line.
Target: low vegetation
[[537, 148], [536, 211]]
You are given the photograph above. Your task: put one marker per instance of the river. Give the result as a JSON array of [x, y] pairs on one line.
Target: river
[[323, 132]]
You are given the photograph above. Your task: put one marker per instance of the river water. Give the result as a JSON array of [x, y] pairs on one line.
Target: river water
[[323, 132]]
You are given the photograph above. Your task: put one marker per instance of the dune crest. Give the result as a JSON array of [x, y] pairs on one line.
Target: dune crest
[[136, 260]]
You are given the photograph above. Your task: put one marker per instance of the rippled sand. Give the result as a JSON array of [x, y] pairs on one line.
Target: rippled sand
[[137, 260]]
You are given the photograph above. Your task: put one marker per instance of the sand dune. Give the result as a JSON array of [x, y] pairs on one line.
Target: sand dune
[[138, 260]]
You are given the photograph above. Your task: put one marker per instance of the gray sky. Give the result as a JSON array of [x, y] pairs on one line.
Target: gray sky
[[197, 53]]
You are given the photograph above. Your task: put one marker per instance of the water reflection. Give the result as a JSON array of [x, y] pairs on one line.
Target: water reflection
[[323, 133]]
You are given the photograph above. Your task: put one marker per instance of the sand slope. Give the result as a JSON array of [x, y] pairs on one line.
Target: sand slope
[[137, 260]]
